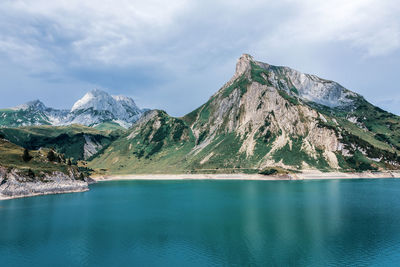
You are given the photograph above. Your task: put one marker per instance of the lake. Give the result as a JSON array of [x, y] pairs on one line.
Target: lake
[[207, 223]]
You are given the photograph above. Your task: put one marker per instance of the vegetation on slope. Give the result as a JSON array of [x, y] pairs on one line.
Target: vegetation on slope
[[109, 126], [213, 143], [68, 140], [158, 144], [15, 118], [38, 164], [256, 123]]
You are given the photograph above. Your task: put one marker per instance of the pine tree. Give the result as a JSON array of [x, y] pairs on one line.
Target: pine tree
[[26, 156]]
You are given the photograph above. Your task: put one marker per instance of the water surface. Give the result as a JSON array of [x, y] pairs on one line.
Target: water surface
[[207, 223]]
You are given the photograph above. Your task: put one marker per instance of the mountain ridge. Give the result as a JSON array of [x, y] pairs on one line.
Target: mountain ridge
[[94, 108], [266, 116]]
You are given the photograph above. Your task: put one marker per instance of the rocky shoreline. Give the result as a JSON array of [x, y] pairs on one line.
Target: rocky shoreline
[[13, 185]]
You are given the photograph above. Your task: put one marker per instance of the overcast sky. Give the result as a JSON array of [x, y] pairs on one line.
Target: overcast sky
[[175, 54]]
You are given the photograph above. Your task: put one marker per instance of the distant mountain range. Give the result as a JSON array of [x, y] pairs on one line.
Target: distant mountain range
[[267, 118], [94, 108]]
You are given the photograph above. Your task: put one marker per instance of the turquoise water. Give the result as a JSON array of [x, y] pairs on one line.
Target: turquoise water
[[207, 223]]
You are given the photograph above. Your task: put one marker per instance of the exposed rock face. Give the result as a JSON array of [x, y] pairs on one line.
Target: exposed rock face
[[94, 108], [13, 185], [243, 66], [257, 109], [91, 147], [268, 116], [317, 90]]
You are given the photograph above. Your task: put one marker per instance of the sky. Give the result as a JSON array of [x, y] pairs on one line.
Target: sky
[[173, 55]]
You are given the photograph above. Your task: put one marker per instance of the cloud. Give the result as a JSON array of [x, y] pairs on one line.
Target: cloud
[[173, 47], [121, 32], [370, 25]]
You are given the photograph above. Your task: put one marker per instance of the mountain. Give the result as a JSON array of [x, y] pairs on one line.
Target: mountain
[[95, 108], [266, 118], [31, 113], [74, 141]]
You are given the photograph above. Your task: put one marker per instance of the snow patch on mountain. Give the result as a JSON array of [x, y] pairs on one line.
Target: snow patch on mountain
[[93, 108]]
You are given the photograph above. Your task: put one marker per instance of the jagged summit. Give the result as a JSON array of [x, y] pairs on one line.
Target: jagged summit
[[97, 100], [243, 64], [306, 87], [95, 107], [98, 106]]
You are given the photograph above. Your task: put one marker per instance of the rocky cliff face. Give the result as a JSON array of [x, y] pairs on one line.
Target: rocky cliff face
[[283, 114], [270, 111], [269, 116], [13, 184], [94, 108]]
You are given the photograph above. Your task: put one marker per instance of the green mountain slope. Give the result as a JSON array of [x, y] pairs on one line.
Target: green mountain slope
[[75, 141], [157, 143], [265, 116], [16, 118], [11, 158]]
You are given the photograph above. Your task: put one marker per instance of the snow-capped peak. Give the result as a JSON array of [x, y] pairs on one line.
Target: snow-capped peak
[[128, 104], [97, 106], [93, 108], [125, 101], [97, 100]]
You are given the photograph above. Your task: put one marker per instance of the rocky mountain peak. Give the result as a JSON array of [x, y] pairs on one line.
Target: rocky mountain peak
[[98, 106], [309, 88], [243, 64], [96, 99], [126, 102]]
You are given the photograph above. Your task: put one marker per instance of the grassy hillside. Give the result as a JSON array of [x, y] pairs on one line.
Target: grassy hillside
[[68, 140], [109, 126], [156, 144], [11, 157]]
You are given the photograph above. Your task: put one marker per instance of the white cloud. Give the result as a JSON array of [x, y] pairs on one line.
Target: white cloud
[[103, 31], [125, 31], [188, 40], [370, 25]]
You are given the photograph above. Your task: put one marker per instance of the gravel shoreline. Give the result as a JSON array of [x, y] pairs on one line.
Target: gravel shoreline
[[305, 175]]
